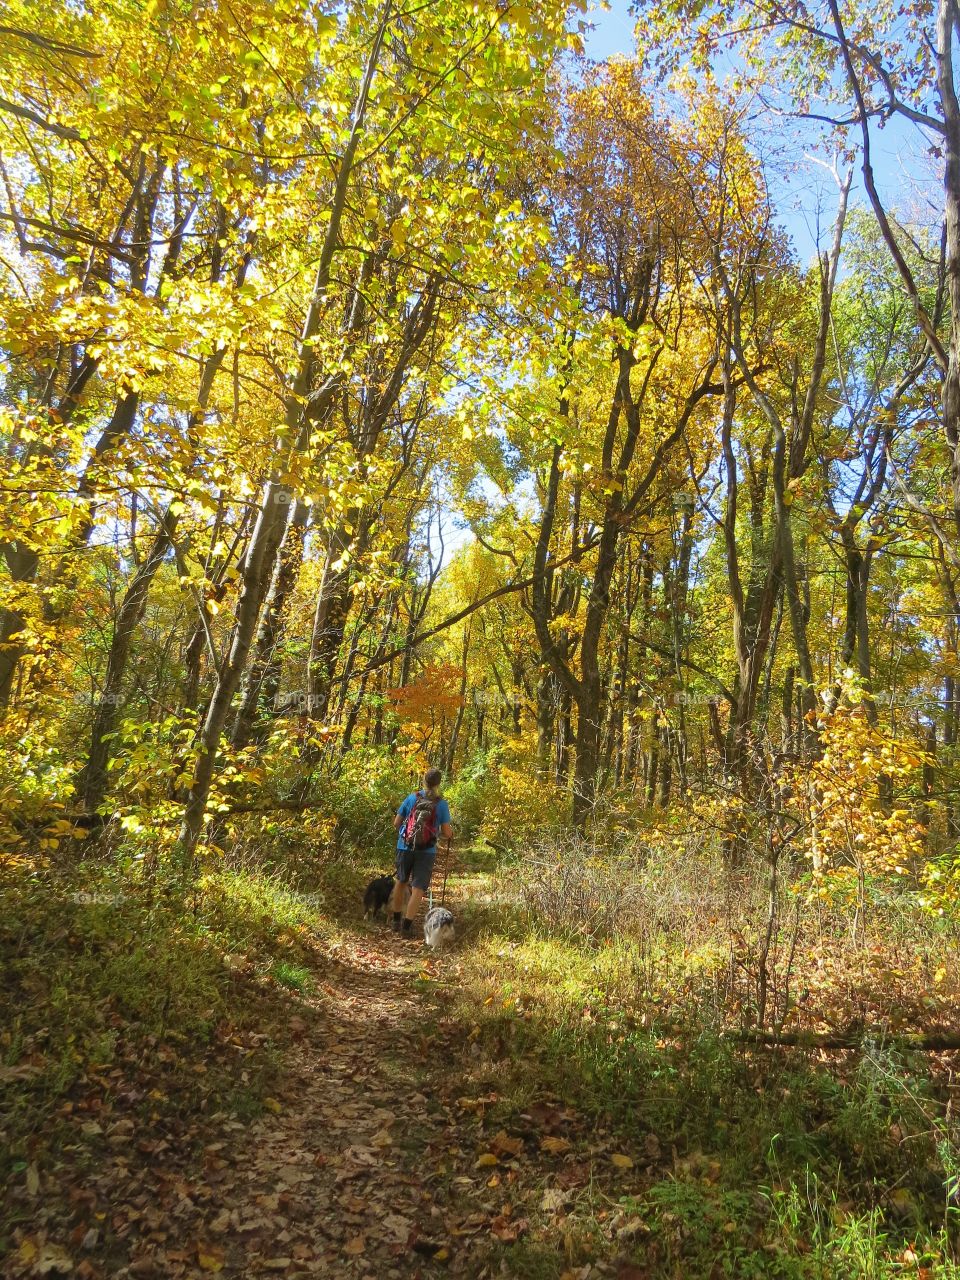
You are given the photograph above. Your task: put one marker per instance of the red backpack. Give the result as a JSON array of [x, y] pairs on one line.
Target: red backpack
[[420, 828]]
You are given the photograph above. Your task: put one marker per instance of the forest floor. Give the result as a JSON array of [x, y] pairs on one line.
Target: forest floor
[[366, 1160], [251, 1087]]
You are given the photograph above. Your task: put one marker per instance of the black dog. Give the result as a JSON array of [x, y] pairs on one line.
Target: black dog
[[377, 896]]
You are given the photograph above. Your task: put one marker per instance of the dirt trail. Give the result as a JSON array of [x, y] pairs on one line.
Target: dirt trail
[[374, 1166], [343, 1174], [367, 1162], [339, 1182]]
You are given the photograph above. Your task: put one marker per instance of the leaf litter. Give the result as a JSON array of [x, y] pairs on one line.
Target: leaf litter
[[369, 1158]]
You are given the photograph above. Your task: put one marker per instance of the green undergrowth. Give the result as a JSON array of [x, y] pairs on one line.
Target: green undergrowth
[[782, 1163], [128, 998]]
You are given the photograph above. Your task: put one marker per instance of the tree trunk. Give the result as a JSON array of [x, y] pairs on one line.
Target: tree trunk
[[590, 691], [329, 625], [546, 720], [262, 679], [92, 780], [451, 754], [268, 532], [23, 561]]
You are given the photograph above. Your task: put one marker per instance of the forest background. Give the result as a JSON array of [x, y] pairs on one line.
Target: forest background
[[384, 386]]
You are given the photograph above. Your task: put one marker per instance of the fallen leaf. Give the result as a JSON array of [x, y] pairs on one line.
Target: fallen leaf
[[143, 1266], [504, 1145], [574, 1175], [486, 1161], [621, 1161], [633, 1227], [28, 1250], [52, 1260], [355, 1247], [543, 1114], [508, 1229], [554, 1146], [396, 1226], [221, 1222], [210, 1258]]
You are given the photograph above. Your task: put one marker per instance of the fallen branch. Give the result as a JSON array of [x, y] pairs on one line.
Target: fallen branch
[[930, 1042], [93, 823]]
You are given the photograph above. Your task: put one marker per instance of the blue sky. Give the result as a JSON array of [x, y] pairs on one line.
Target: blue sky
[[804, 191], [613, 32]]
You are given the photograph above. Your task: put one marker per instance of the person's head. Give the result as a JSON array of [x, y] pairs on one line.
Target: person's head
[[431, 781]]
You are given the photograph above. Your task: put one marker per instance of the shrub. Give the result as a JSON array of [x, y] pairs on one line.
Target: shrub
[[517, 806], [468, 795], [367, 792]]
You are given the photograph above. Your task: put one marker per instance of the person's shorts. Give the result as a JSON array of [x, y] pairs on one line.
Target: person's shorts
[[416, 865]]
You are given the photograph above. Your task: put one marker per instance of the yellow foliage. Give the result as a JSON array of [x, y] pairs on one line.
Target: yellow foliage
[[854, 800], [519, 805]]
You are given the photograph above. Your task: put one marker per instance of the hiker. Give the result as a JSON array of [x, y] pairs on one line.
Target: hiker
[[419, 819]]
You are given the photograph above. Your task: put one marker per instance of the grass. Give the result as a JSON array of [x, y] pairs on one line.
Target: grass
[[292, 976], [119, 995], [744, 1163], [766, 1164]]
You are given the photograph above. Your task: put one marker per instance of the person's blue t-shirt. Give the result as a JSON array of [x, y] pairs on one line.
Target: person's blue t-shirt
[[442, 815]]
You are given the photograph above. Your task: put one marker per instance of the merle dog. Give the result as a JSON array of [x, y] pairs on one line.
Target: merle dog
[[377, 896], [438, 927]]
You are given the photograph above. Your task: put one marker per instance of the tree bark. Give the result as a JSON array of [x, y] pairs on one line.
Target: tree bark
[[268, 531], [262, 679]]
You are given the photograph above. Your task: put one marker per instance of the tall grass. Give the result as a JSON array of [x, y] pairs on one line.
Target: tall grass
[[622, 979]]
